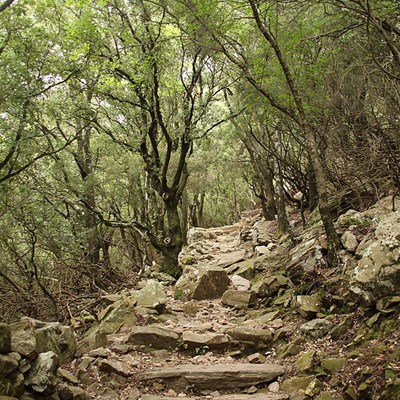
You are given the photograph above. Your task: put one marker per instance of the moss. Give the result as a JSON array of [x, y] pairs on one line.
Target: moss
[[351, 221], [305, 363], [333, 364], [297, 383]]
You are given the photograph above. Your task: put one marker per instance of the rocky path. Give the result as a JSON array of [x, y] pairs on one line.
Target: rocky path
[[251, 318], [194, 346]]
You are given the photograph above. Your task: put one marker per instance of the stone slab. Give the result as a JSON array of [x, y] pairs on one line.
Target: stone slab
[[216, 377], [258, 396]]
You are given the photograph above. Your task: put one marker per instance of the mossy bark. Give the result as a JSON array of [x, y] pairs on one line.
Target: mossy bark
[[173, 242]]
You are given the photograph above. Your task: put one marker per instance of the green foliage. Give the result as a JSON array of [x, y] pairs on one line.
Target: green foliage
[[202, 350], [84, 83]]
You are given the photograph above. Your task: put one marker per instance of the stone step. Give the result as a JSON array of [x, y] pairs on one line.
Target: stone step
[[216, 377], [259, 396]]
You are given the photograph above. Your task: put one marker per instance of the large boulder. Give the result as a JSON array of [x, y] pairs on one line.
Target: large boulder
[[23, 338], [30, 337], [110, 320], [378, 271], [57, 338], [43, 375], [203, 283], [216, 377]]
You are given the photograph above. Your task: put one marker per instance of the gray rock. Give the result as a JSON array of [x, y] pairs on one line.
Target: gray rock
[[240, 298], [269, 286], [296, 384], [246, 234], [253, 335], [7, 365], [349, 241], [23, 339], [289, 350], [152, 295], [114, 366], [57, 338], [305, 363], [100, 352], [262, 250], [310, 305], [106, 394], [353, 217], [216, 377], [24, 366], [5, 338], [12, 385], [256, 358], [153, 336], [111, 319], [378, 272], [42, 376], [67, 376], [246, 269], [262, 233], [316, 328], [98, 339], [203, 283], [200, 234], [30, 337], [212, 340], [67, 392], [240, 283], [342, 328], [257, 396], [389, 304], [227, 259], [333, 364]]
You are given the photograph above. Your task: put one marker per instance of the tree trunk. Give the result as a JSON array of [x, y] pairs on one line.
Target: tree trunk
[[270, 206], [200, 216], [184, 213], [323, 203], [173, 242], [283, 223], [312, 188]]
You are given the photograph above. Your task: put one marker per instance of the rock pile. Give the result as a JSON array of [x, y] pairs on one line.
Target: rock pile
[[30, 355]]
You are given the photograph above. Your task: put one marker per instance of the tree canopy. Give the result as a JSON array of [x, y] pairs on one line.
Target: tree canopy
[[123, 124]]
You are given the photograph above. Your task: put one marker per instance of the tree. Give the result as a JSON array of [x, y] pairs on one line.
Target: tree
[[164, 103], [232, 45]]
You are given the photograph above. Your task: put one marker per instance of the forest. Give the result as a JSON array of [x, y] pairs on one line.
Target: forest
[[125, 123]]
